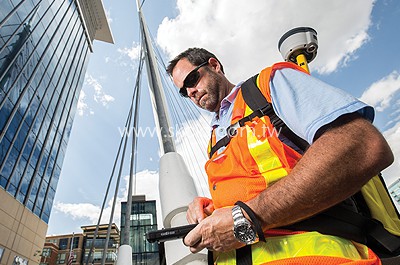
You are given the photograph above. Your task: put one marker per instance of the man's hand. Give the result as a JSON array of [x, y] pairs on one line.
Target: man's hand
[[214, 233], [199, 209]]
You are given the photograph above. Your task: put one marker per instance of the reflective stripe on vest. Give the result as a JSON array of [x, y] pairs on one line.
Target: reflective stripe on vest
[[306, 248]]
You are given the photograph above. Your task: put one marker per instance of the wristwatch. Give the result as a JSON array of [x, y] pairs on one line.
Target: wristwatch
[[243, 229]]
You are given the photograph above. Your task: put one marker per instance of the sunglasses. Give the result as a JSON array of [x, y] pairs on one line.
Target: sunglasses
[[191, 80]]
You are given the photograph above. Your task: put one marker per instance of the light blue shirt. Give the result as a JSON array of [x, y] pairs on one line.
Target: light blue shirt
[[222, 121], [303, 102]]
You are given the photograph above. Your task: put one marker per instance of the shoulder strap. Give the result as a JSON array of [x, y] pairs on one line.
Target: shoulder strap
[[261, 107], [252, 95], [257, 102]]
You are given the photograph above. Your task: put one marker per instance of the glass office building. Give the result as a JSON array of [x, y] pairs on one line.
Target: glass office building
[[143, 219], [44, 52], [394, 190]]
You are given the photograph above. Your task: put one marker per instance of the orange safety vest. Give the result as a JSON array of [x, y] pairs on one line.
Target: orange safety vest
[[254, 159]]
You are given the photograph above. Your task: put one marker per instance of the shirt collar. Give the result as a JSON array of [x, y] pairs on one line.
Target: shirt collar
[[226, 103]]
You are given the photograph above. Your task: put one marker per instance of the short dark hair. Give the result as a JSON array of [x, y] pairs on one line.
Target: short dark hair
[[196, 56]]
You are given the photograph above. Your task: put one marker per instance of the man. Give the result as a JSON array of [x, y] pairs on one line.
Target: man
[[277, 185]]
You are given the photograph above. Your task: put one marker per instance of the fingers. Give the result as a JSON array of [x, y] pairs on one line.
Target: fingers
[[200, 208], [209, 209], [192, 240], [197, 240], [214, 232]]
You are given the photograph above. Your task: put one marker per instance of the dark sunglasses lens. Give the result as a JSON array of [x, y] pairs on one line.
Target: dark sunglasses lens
[[191, 79], [183, 92]]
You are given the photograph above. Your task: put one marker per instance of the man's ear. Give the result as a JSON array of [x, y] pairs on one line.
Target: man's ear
[[214, 64]]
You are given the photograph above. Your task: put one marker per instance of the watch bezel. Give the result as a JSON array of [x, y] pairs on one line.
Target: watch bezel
[[243, 230]]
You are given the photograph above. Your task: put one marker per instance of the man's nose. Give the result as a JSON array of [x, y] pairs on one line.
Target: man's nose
[[191, 91]]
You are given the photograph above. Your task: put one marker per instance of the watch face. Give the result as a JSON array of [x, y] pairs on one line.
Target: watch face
[[245, 233]]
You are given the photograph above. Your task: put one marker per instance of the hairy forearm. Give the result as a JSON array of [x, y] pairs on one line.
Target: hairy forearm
[[336, 166]]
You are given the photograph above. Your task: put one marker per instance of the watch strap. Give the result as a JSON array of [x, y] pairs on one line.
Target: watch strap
[[253, 218], [244, 229], [237, 214]]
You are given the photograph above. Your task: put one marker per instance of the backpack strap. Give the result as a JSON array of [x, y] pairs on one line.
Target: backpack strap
[[257, 102], [261, 107]]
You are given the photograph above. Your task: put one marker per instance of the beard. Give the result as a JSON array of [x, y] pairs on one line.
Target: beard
[[214, 93]]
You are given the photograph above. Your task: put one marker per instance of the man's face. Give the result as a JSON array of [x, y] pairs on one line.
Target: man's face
[[207, 92]]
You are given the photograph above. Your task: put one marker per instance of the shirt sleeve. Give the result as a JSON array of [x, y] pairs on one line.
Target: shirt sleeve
[[305, 103]]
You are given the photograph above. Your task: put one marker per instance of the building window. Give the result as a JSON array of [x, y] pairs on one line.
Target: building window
[[99, 242], [75, 243], [20, 261], [63, 243], [1, 253], [111, 256], [55, 241], [61, 258], [142, 219], [46, 252], [97, 256]]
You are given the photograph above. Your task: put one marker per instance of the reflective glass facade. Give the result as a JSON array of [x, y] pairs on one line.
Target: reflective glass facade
[[143, 219], [43, 58], [394, 190]]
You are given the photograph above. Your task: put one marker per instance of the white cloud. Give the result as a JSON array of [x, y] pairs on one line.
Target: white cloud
[[382, 93], [245, 34], [132, 52], [392, 135], [82, 106], [99, 95], [147, 184], [79, 210]]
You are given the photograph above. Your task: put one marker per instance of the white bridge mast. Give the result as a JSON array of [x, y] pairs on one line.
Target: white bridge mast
[[176, 186]]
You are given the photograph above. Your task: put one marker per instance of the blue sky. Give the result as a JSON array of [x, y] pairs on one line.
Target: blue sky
[[358, 52]]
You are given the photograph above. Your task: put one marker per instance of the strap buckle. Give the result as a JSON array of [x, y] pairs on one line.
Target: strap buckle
[[266, 110], [231, 131]]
